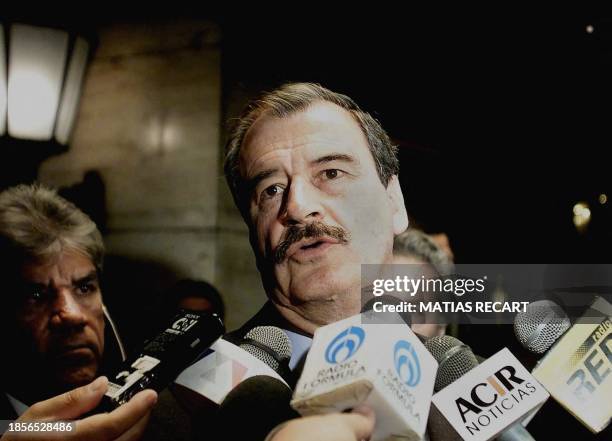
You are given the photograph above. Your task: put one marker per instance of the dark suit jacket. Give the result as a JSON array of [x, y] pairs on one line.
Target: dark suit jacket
[[268, 315]]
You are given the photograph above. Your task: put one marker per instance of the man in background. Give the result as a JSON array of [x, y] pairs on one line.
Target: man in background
[[52, 320], [414, 247]]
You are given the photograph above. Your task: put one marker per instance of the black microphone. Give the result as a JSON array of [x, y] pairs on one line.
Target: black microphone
[[457, 360], [163, 357], [259, 403], [255, 407]]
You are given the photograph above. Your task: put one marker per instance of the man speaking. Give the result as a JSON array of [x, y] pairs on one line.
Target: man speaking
[[315, 179]]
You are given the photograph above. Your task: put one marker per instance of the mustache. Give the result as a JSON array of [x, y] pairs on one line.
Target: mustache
[[315, 229]]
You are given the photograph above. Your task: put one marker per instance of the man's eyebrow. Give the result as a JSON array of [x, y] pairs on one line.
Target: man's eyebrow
[[334, 157], [254, 181], [91, 277]]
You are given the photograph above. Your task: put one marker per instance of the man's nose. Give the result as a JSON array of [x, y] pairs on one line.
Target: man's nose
[[302, 203], [67, 311]]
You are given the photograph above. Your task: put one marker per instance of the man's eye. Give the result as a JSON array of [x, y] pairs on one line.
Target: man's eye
[[272, 191], [35, 295], [332, 173], [86, 288]]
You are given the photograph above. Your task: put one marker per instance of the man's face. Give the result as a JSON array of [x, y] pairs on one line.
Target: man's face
[[315, 168], [60, 317]]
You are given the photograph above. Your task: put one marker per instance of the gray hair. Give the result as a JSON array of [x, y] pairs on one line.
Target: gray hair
[[415, 243], [37, 223], [292, 98]]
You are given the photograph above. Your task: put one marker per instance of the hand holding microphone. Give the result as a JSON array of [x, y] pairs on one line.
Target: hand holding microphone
[[354, 426], [125, 423]]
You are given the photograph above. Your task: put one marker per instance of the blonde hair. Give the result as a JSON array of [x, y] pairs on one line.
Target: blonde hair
[[37, 223]]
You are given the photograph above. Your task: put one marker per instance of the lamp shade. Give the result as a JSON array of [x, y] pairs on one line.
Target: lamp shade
[[45, 72], [2, 82]]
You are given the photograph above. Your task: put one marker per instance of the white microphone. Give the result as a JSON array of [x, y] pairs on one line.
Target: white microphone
[[359, 360], [577, 365], [482, 401], [206, 383]]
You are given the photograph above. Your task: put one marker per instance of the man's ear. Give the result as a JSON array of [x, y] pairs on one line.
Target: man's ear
[[396, 198]]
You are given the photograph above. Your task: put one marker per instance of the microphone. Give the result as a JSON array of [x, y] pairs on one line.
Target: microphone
[[482, 401], [255, 407], [540, 325], [272, 346], [577, 360], [360, 360], [163, 357], [235, 392], [205, 384]]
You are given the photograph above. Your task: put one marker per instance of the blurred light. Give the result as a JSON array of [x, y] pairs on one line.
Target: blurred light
[[42, 95], [603, 198], [152, 136], [36, 69], [161, 136], [171, 137], [590, 29], [72, 91], [582, 215], [2, 83]]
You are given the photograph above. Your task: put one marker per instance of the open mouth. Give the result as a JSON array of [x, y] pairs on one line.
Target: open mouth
[[310, 249], [312, 245]]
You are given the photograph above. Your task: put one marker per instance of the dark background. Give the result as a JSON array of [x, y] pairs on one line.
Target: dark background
[[502, 117]]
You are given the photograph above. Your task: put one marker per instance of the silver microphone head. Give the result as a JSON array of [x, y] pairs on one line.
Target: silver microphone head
[[269, 344], [540, 325], [454, 358]]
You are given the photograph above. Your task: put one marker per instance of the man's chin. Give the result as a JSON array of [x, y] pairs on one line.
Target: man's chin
[[326, 283], [77, 376]]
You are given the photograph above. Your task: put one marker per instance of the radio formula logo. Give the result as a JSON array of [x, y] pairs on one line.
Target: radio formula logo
[[406, 363], [344, 345]]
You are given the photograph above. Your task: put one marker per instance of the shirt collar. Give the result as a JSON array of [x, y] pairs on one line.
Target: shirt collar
[[300, 344]]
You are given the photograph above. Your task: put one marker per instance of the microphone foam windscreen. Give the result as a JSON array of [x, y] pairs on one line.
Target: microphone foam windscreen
[[540, 325]]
